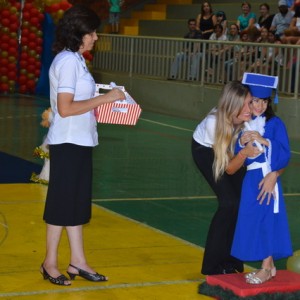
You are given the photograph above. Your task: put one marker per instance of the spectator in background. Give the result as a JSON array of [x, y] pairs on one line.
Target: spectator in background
[[231, 52], [265, 19], [114, 14], [206, 20], [190, 52], [292, 34], [282, 19], [247, 19], [222, 20]]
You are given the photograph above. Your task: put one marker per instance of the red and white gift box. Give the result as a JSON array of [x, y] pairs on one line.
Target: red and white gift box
[[125, 112]]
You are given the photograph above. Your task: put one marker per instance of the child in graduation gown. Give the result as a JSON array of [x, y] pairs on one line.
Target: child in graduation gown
[[262, 232]]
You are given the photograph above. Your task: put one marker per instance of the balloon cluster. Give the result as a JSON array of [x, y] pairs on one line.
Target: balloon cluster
[[9, 24], [56, 8], [21, 39], [31, 37]]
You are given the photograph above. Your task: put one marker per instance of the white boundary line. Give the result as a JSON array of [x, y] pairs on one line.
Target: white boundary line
[[66, 290]]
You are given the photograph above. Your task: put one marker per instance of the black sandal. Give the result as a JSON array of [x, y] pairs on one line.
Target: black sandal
[[86, 275], [60, 280]]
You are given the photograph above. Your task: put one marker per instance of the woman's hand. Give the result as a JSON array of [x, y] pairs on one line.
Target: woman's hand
[[267, 187], [250, 150]]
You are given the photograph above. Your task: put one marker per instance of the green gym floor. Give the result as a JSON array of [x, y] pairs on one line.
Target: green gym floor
[[151, 209]]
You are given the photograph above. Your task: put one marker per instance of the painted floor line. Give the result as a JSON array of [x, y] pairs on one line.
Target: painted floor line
[[96, 288], [166, 125], [155, 198], [170, 198]]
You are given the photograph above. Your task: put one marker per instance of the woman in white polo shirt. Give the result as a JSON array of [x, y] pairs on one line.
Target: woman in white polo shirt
[[71, 138]]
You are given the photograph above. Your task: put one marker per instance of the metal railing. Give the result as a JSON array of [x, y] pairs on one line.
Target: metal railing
[[201, 62]]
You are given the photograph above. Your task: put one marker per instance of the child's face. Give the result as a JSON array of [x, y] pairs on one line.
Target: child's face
[[259, 106]]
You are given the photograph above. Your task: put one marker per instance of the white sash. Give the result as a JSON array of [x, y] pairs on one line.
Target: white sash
[[265, 170]]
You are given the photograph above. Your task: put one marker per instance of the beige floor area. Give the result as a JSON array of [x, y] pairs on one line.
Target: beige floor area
[[141, 262]]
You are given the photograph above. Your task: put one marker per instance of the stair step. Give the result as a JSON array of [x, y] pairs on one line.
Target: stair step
[[130, 30], [149, 15], [155, 7], [174, 1]]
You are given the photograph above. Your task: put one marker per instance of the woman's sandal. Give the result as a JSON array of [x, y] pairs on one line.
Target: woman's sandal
[[60, 280], [253, 273], [86, 275], [256, 279]]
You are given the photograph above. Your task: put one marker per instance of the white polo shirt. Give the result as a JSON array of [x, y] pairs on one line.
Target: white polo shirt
[[69, 74], [204, 133]]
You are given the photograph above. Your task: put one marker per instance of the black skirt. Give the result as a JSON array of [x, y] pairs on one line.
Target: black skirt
[[68, 201]]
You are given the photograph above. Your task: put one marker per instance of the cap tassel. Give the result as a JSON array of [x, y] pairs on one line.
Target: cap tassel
[[276, 98]]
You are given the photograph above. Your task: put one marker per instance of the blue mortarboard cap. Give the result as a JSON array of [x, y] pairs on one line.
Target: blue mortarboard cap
[[261, 86]]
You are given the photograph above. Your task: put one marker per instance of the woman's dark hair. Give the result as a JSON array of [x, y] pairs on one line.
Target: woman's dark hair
[[76, 22], [266, 5]]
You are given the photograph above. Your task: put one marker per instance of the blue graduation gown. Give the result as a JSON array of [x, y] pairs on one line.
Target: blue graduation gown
[[259, 231]]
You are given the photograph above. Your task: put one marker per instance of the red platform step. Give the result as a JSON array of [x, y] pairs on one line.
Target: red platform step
[[284, 282]]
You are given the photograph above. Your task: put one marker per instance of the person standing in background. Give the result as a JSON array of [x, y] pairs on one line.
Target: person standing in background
[[206, 20], [114, 14]]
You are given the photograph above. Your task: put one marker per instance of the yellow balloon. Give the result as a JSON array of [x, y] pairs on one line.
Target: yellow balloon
[[296, 253], [293, 264]]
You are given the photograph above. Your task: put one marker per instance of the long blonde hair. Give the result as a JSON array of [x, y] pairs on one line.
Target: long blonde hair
[[230, 105]]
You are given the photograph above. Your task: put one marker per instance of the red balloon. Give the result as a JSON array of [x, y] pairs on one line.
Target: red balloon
[[24, 40], [23, 63], [13, 27], [39, 49], [25, 32], [30, 68], [5, 13], [4, 61], [12, 51], [32, 45], [55, 7], [64, 5], [28, 6], [26, 16], [30, 84], [4, 87], [41, 17], [4, 46], [13, 43], [23, 89], [3, 70], [11, 67], [22, 79], [24, 55], [39, 41], [5, 38], [14, 18], [5, 22], [35, 21], [12, 75]]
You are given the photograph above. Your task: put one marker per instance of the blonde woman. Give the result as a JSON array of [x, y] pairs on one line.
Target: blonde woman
[[212, 150]]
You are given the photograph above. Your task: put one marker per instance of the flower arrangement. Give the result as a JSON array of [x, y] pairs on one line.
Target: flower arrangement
[[42, 151]]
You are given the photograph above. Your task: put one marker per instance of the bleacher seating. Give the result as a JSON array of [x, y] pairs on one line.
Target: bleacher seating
[[168, 17]]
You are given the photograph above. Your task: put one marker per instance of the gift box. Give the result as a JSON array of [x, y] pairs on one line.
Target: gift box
[[125, 112]]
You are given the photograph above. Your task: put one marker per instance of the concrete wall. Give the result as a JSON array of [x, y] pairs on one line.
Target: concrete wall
[[189, 100]]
